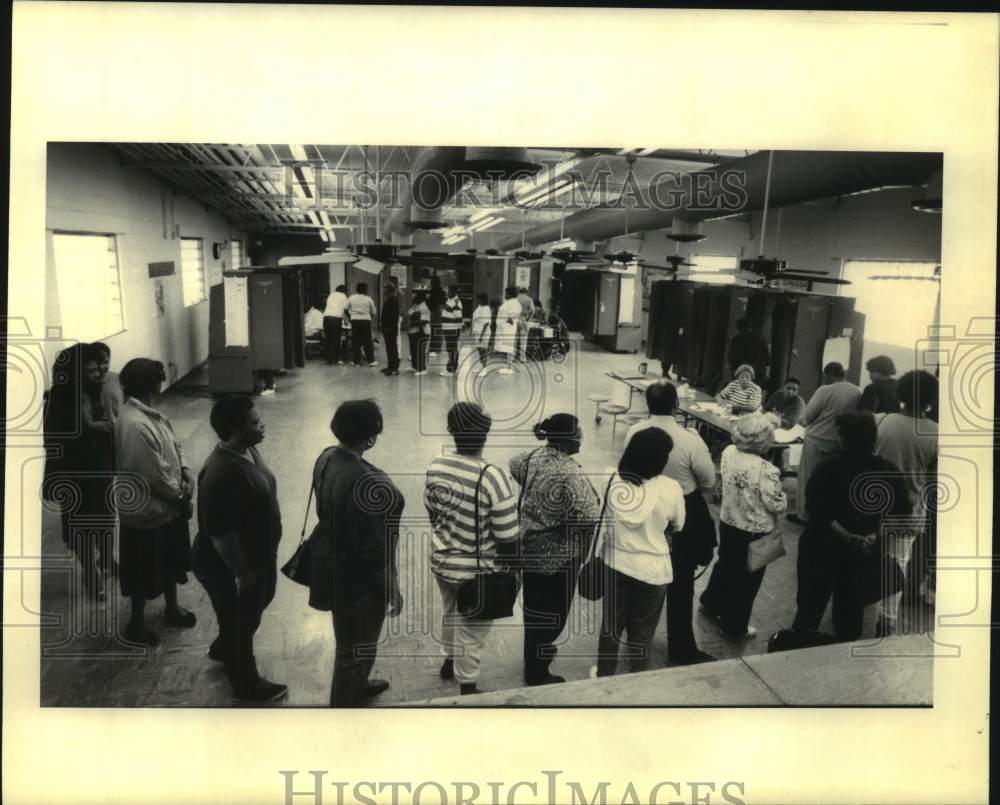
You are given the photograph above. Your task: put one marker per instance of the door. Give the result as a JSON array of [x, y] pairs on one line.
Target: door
[[607, 304], [488, 278], [808, 339]]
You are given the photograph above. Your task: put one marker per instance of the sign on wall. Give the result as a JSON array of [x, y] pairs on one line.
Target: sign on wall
[[522, 276], [236, 297], [158, 298], [161, 269], [398, 273]]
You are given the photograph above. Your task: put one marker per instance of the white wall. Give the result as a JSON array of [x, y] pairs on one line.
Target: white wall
[[91, 188]]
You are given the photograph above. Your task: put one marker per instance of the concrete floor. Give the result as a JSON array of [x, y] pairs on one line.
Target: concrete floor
[[84, 665]]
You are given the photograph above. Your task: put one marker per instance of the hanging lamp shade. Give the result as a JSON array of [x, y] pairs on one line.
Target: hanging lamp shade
[[682, 231], [421, 218], [502, 164]]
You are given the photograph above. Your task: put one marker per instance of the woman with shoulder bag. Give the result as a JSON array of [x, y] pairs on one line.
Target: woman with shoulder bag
[[642, 507], [473, 514], [359, 507], [751, 497], [558, 509]]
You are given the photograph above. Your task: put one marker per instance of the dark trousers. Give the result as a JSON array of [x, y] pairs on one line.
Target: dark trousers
[[451, 344], [732, 588], [827, 568], [89, 529], [418, 353], [238, 617], [437, 335], [681, 644], [633, 608], [333, 329], [357, 625], [361, 339], [546, 599], [391, 340]]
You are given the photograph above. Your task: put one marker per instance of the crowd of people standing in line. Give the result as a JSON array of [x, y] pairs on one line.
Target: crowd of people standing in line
[[540, 517], [433, 324]]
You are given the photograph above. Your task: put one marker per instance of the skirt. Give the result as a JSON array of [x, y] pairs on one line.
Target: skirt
[[151, 558]]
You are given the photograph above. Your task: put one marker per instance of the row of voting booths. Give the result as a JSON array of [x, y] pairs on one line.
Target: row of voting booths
[[691, 324]]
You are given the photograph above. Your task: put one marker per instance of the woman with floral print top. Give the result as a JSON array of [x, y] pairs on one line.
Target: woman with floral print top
[[751, 497], [559, 508]]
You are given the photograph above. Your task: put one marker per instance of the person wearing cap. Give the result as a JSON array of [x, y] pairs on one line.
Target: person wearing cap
[[558, 509], [742, 392], [821, 440], [880, 396], [751, 497], [154, 489]]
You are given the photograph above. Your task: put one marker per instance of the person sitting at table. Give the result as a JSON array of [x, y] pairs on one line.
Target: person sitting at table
[[742, 392], [786, 403]]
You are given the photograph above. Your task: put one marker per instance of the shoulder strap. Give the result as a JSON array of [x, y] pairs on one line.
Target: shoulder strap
[[600, 520], [475, 518], [524, 486], [312, 486]]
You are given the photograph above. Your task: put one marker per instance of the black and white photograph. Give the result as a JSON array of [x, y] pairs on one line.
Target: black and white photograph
[[482, 405], [545, 418]]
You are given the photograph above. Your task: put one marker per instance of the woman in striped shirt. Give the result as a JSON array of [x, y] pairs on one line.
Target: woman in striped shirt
[[454, 482], [743, 393]]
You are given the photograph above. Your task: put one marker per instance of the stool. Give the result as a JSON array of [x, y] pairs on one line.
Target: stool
[[616, 411], [597, 399]]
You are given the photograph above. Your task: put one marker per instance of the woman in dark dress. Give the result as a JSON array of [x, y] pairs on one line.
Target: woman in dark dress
[[153, 492], [880, 396]]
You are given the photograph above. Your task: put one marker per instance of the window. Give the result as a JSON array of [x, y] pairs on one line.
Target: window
[[235, 253], [897, 311], [192, 271], [88, 285], [709, 268]]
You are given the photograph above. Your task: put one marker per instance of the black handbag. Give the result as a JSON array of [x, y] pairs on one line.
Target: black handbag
[[594, 573], [490, 594], [299, 567]]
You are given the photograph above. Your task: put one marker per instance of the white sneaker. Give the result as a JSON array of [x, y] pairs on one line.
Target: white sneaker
[[432, 354], [373, 363], [339, 363], [505, 371], [751, 633], [421, 372], [593, 672], [446, 374], [267, 392], [483, 372]]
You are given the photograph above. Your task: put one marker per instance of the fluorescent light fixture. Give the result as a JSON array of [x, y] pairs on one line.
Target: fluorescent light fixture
[[369, 265], [325, 219], [324, 236], [298, 152], [541, 185], [645, 152], [482, 226], [548, 193], [478, 216], [312, 216], [307, 179]]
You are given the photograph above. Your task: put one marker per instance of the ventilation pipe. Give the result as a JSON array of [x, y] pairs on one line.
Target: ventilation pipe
[[796, 177], [432, 184]]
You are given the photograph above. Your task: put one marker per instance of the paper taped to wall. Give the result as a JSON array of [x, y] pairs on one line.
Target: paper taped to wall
[[237, 312]]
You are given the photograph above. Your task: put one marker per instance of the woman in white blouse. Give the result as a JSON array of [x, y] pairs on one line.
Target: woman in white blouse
[[751, 497], [643, 507], [744, 395]]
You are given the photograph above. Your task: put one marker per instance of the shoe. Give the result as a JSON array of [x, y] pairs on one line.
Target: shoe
[[468, 688], [432, 354], [702, 609], [376, 687], [750, 633], [548, 679], [267, 392], [215, 651], [384, 371], [794, 518], [373, 363], [448, 669], [392, 373], [339, 363], [446, 374], [141, 634], [181, 617], [421, 372], [264, 691], [483, 372], [592, 673], [694, 658], [505, 371]]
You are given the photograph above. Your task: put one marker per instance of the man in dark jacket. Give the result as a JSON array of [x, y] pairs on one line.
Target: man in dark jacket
[[389, 320], [748, 347]]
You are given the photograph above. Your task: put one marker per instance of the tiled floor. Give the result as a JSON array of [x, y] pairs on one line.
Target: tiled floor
[[84, 665]]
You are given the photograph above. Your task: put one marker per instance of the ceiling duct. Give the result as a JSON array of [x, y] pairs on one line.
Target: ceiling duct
[[796, 177], [682, 231], [433, 182], [500, 164]]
